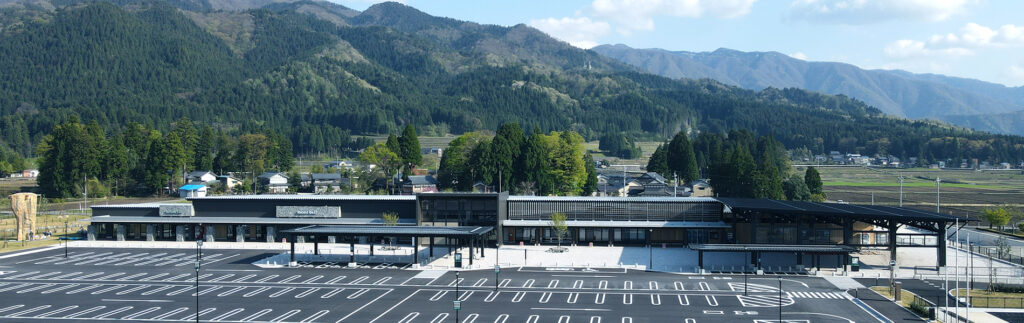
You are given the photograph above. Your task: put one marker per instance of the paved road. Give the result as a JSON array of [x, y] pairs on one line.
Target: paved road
[[159, 285], [984, 238]]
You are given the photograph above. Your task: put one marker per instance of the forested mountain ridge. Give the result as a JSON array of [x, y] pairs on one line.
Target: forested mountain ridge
[[318, 73], [895, 92]]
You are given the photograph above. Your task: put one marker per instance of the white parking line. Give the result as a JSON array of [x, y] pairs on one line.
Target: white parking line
[[563, 319], [315, 316], [227, 314], [307, 292], [231, 291], [37, 308], [627, 299], [679, 286], [107, 277], [265, 279], [572, 298], [599, 298], [409, 317], [382, 280], [111, 313], [151, 292], [358, 293], [334, 291], [595, 319], [282, 292], [221, 278], [313, 279], [501, 318], [470, 318], [359, 280], [293, 277], [711, 300], [627, 285], [141, 313], [684, 300], [12, 307], [480, 282], [285, 316], [183, 290], [155, 277], [504, 282], [207, 290], [256, 315], [111, 288], [653, 285], [34, 288], [545, 297], [553, 283], [132, 289], [255, 292], [491, 296], [244, 278], [577, 284], [54, 290], [201, 313], [518, 297], [335, 280], [63, 309], [86, 288], [169, 314], [532, 319], [655, 299], [439, 318], [177, 277], [528, 283]]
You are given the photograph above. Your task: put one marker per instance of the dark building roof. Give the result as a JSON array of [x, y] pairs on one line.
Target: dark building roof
[[829, 209], [420, 180], [651, 177], [772, 248], [322, 177], [271, 174]]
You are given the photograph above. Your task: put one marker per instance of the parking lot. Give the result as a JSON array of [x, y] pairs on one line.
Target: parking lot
[[156, 285]]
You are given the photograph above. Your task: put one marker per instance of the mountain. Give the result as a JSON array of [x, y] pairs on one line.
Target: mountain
[[895, 92], [320, 73]]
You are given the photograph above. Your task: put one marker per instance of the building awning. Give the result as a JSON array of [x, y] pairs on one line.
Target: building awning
[[772, 248], [241, 220], [618, 224], [396, 231]]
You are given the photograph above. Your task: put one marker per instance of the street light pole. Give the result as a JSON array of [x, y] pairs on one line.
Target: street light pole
[[901, 189], [199, 253], [457, 297], [780, 299], [65, 237], [650, 249], [938, 184], [745, 264]]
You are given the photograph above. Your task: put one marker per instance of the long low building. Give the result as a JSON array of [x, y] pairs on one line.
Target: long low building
[[702, 223]]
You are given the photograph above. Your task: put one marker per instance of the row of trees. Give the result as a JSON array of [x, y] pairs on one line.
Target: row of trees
[[544, 164], [397, 153], [619, 145], [140, 161]]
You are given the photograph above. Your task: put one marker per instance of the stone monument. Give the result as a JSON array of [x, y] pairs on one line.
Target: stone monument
[[24, 207]]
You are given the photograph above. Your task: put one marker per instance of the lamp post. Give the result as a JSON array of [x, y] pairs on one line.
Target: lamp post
[[199, 258], [497, 265], [780, 299], [650, 249], [64, 218], [456, 304], [747, 263]]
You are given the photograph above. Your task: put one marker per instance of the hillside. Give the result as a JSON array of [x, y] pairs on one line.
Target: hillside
[[894, 92], [319, 73]]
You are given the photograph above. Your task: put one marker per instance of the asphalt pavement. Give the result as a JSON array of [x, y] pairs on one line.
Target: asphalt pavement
[[160, 285]]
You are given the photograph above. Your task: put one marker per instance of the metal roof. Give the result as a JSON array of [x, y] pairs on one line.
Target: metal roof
[[240, 220], [191, 187], [772, 248], [610, 199], [830, 209], [419, 231], [309, 197], [618, 224]]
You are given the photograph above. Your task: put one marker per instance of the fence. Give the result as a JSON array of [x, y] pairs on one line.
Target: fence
[[996, 301]]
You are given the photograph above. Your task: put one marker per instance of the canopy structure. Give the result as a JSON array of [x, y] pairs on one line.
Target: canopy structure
[[474, 236], [753, 251]]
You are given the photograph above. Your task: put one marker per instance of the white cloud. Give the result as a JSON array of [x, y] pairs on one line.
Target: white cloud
[[873, 11], [633, 15], [580, 32], [799, 55], [970, 38]]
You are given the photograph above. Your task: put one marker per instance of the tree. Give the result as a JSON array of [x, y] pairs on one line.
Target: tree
[[813, 180], [166, 158], [767, 180], [795, 189], [559, 226], [392, 144], [659, 161], [385, 160], [67, 156], [506, 148], [409, 145], [456, 169], [534, 166], [591, 183], [390, 219], [681, 158], [998, 217], [251, 154], [203, 157], [185, 131]]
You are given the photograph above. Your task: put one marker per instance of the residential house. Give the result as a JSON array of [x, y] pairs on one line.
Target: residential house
[[700, 188], [201, 176], [614, 184], [419, 184], [30, 173], [324, 182], [274, 182], [480, 187], [432, 151], [192, 190], [229, 182], [338, 164]]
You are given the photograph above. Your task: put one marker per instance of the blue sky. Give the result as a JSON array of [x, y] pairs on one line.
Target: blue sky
[[980, 39]]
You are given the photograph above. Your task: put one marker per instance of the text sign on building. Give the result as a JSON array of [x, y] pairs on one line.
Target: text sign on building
[[289, 211], [176, 210]]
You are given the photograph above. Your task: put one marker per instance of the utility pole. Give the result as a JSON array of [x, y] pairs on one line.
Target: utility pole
[[901, 189], [938, 184], [675, 184], [625, 180]]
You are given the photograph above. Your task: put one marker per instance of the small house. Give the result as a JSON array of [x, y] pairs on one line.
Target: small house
[[419, 184], [274, 182], [192, 190], [700, 188], [202, 176]]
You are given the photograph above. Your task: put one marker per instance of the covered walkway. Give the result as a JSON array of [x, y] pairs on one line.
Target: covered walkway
[[473, 237]]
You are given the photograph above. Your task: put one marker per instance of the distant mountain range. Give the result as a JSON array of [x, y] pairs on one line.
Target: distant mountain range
[[318, 73], [966, 102]]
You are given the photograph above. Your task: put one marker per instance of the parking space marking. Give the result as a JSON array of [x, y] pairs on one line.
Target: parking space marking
[[545, 297], [43, 276], [86, 288], [111, 288], [599, 298], [711, 300], [96, 308], [306, 293], [501, 318], [704, 286], [282, 292], [465, 295], [334, 291], [491, 296], [335, 280], [23, 274], [12, 307], [54, 290], [111, 313], [457, 281], [313, 279], [264, 279], [382, 280], [438, 295], [602, 284], [518, 297], [154, 277], [255, 292], [577, 284], [243, 278], [528, 283], [572, 298], [221, 278], [627, 320], [107, 277], [595, 319], [409, 317], [151, 292], [627, 298], [471, 318], [201, 313], [504, 282], [63, 309], [358, 293], [231, 291], [34, 288], [315, 316], [141, 313], [655, 299], [171, 313], [683, 300], [627, 285], [374, 301], [553, 283], [563, 319], [679, 286], [183, 290], [532, 319], [359, 280], [37, 308], [130, 290], [293, 277], [256, 315], [480, 282], [286, 315], [177, 277], [227, 314]]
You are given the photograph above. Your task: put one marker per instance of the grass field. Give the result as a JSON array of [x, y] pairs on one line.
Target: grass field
[[906, 298], [964, 193], [984, 298]]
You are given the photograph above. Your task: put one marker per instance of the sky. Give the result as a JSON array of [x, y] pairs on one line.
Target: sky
[[980, 39]]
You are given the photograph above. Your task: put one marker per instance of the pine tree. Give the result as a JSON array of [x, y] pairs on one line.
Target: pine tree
[[409, 147], [506, 148], [681, 158], [591, 183], [659, 161], [203, 157], [813, 180]]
